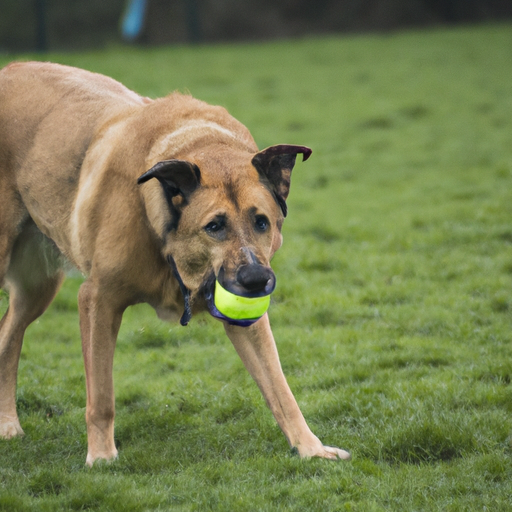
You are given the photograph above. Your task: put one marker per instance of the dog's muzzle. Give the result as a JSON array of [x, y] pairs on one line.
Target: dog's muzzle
[[253, 281]]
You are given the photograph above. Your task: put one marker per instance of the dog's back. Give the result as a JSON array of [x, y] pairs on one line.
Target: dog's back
[[48, 103], [49, 114]]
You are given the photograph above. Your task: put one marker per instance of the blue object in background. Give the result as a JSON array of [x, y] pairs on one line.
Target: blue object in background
[[132, 22]]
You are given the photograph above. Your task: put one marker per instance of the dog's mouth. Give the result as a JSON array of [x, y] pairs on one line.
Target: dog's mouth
[[256, 300], [240, 302]]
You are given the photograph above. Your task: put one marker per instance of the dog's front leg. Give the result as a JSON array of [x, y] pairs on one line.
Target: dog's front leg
[[257, 349], [99, 324]]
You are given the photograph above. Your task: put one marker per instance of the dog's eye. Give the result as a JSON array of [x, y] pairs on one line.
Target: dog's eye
[[261, 223], [215, 226]]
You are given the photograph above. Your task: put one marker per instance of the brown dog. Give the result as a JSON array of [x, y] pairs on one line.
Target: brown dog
[[75, 149]]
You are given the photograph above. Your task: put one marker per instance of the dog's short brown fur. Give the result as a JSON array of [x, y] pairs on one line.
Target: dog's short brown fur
[[151, 201]]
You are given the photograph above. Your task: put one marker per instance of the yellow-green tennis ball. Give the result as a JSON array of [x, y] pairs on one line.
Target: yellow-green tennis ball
[[237, 307]]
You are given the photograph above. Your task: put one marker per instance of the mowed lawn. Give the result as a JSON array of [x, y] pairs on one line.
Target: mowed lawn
[[392, 313]]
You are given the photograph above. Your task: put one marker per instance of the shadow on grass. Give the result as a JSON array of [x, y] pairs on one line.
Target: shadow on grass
[[428, 443]]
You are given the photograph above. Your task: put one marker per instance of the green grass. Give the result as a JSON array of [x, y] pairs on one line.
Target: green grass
[[393, 310]]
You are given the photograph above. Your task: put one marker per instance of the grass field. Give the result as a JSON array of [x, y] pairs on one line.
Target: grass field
[[393, 309]]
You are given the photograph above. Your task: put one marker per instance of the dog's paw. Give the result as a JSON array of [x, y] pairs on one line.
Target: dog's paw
[[10, 429], [334, 453], [317, 449], [100, 458]]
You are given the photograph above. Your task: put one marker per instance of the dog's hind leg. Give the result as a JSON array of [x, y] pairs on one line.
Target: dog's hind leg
[[32, 278], [11, 217]]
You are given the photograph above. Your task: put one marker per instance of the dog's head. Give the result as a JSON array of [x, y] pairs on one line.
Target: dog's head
[[223, 215]]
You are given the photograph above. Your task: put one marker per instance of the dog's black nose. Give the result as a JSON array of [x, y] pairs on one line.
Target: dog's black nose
[[256, 279]]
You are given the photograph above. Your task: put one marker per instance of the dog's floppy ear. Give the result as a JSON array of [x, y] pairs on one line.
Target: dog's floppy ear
[[275, 164], [177, 177]]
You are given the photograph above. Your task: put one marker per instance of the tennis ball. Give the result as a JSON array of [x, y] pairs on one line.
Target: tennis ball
[[237, 307]]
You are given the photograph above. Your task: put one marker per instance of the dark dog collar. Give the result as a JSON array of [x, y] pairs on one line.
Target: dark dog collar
[[187, 313]]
